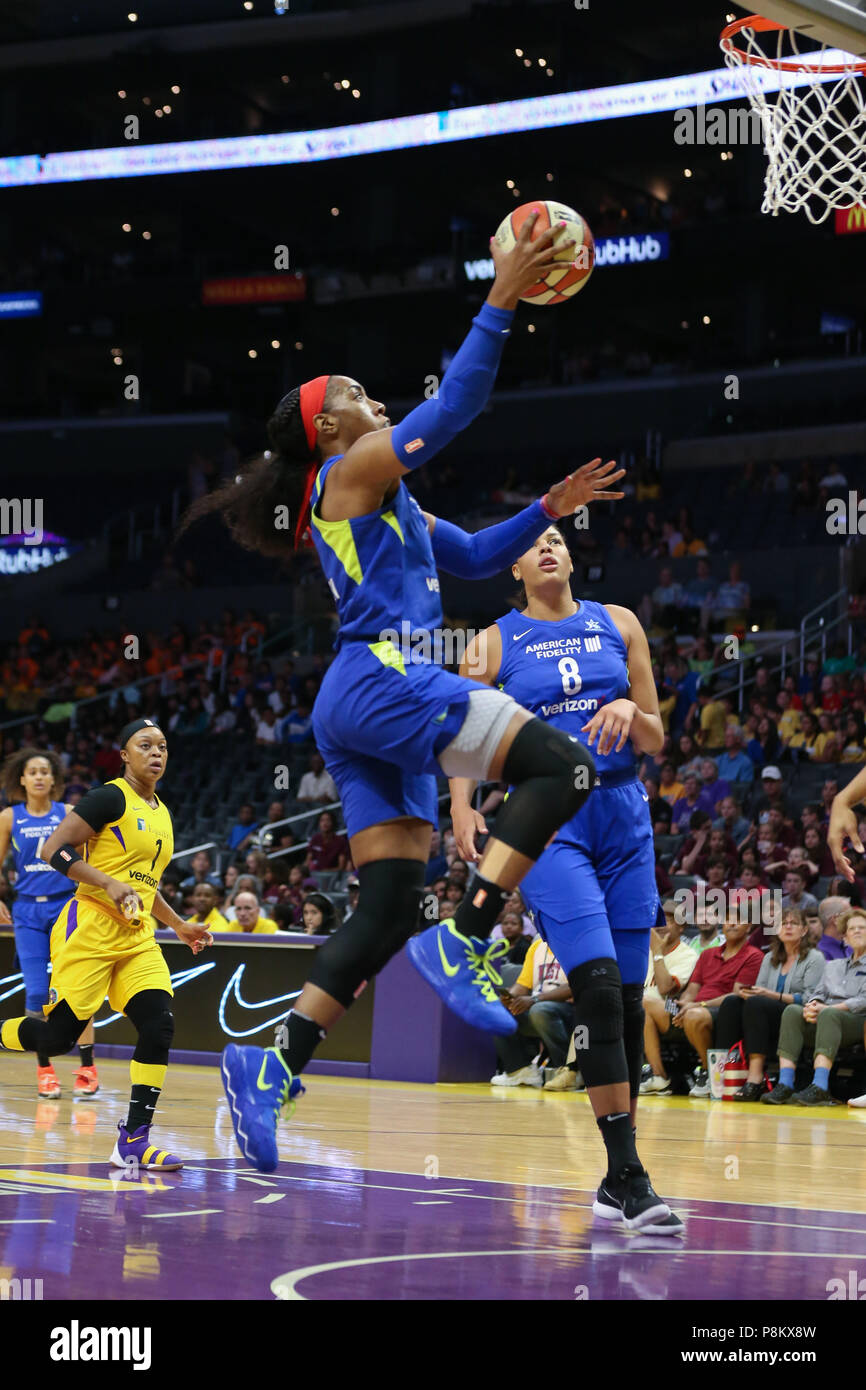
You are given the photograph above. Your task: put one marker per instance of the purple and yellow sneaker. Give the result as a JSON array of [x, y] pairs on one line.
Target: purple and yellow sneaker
[[136, 1151], [460, 969], [257, 1084]]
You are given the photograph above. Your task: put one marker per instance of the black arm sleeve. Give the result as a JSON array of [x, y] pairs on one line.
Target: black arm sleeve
[[101, 806]]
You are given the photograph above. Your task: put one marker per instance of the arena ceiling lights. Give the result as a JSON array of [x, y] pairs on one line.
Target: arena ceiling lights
[[375, 137]]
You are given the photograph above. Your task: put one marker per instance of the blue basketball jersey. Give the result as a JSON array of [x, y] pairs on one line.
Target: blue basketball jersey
[[379, 567], [29, 833], [565, 671]]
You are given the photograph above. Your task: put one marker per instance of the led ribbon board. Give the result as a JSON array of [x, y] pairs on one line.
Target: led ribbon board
[[400, 133]]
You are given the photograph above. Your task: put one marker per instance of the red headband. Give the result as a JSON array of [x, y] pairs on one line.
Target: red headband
[[312, 404]]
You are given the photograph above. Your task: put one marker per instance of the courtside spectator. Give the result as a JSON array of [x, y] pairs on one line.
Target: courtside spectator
[[540, 1000], [671, 964], [718, 970], [790, 972], [829, 941], [248, 918], [319, 915], [832, 1018], [204, 908]]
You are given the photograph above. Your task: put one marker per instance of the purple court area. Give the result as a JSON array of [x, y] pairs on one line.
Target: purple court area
[[218, 1230]]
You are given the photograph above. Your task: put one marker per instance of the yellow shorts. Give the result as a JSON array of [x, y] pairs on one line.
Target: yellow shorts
[[93, 956]]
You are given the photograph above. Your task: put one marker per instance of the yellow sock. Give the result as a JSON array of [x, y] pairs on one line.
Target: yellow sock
[[146, 1074], [9, 1035]]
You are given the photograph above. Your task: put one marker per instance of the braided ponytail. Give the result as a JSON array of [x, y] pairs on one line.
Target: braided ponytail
[[248, 503]]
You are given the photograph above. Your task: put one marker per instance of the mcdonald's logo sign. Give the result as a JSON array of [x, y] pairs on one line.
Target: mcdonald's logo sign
[[850, 220]]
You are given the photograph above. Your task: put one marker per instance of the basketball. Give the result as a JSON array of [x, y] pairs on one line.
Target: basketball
[[578, 260]]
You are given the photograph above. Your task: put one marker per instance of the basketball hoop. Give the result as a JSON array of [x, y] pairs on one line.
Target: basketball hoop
[[814, 139]]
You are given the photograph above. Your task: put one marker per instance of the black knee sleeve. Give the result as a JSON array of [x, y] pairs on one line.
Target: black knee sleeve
[[386, 916], [596, 988], [149, 1011], [54, 1035], [632, 1033], [552, 776]]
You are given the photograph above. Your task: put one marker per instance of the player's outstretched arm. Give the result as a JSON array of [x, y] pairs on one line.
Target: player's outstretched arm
[[481, 554], [377, 458], [843, 823]]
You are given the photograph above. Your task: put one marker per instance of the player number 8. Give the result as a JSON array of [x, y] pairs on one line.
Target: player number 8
[[570, 673]]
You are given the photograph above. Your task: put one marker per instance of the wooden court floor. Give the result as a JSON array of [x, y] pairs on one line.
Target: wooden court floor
[[407, 1179]]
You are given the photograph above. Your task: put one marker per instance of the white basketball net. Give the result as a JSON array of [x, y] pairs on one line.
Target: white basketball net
[[814, 136]]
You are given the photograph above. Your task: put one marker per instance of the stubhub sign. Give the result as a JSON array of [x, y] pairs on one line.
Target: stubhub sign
[[609, 250]]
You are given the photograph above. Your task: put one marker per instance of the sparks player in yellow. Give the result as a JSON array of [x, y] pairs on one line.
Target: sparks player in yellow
[[103, 942]]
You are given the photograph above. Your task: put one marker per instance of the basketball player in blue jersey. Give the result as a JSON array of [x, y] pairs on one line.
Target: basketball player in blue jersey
[[28, 779], [385, 721], [585, 668]]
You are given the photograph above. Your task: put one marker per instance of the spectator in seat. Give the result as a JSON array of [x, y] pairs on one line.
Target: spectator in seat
[[765, 747], [772, 794], [328, 852], [713, 788], [671, 788], [248, 918], [694, 845], [437, 864], [266, 727], [790, 972], [296, 727], [733, 597], [794, 892], [829, 940], [266, 836], [668, 599], [713, 718], [319, 915], [202, 872], [735, 765], [688, 544], [689, 756], [661, 811], [832, 1018], [688, 804], [804, 744], [298, 886], [244, 883], [731, 819], [204, 907], [242, 832], [519, 941], [317, 787], [853, 738], [671, 964], [718, 970], [788, 721], [540, 1000]]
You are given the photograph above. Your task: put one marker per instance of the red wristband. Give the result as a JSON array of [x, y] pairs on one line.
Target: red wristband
[[545, 507]]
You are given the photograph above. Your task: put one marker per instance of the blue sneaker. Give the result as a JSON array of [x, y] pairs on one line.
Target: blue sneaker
[[257, 1084], [456, 966]]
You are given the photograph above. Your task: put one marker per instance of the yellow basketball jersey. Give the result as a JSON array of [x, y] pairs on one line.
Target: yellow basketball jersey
[[135, 849]]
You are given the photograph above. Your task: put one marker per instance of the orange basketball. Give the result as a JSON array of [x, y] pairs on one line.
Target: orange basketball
[[578, 260]]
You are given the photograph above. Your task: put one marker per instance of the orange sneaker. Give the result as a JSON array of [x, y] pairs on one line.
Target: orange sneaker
[[47, 1084], [86, 1083]]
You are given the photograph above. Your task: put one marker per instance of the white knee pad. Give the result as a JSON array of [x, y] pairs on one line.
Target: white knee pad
[[470, 752]]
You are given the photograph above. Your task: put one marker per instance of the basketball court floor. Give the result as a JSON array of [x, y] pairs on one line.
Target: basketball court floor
[[394, 1191]]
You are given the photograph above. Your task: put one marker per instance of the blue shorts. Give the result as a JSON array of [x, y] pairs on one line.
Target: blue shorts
[[379, 723], [593, 891], [33, 922]]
